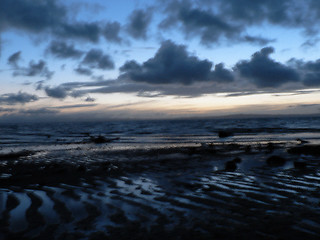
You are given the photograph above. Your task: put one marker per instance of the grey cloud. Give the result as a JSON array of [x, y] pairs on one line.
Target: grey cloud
[[45, 17], [263, 71], [111, 32], [95, 58], [17, 98], [39, 85], [39, 111], [14, 58], [174, 71], [291, 13], [85, 31], [34, 16], [312, 79], [239, 94], [75, 106], [63, 50], [216, 20], [198, 22], [173, 64], [6, 109], [76, 94], [90, 99], [304, 105], [310, 71], [56, 92], [138, 23], [309, 43], [34, 69], [207, 24], [258, 40], [221, 74], [83, 71]]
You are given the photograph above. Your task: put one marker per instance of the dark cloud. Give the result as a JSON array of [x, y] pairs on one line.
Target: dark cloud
[[34, 69], [14, 58], [34, 16], [195, 21], [39, 111], [63, 50], [45, 17], [310, 71], [207, 24], [239, 94], [304, 105], [111, 32], [309, 43], [221, 74], [56, 92], [2, 110], [17, 98], [139, 22], [84, 31], [290, 13], [95, 58], [83, 71], [258, 40], [173, 64], [75, 106], [217, 20], [90, 99], [263, 71], [174, 71]]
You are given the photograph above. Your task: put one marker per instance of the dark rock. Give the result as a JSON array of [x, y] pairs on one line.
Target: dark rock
[[299, 164], [224, 134], [81, 168], [306, 150], [16, 155], [276, 161], [230, 166], [102, 139], [270, 147], [237, 160], [247, 149], [99, 139]]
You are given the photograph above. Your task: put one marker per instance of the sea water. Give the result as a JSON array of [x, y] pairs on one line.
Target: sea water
[[143, 133]]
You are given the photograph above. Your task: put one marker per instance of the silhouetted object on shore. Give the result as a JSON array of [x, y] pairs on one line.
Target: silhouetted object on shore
[[270, 147], [101, 139], [232, 165], [16, 155], [299, 164], [81, 168], [224, 134], [276, 161], [247, 149], [306, 150], [237, 160]]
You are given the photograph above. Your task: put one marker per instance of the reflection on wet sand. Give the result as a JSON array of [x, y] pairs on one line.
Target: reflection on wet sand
[[176, 192]]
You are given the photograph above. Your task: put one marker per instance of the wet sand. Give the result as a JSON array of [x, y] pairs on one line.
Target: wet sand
[[271, 191]]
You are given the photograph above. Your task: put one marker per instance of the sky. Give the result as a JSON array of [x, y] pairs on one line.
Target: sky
[[148, 59]]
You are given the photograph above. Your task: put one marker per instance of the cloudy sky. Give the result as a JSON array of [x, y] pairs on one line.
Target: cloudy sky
[[94, 60]]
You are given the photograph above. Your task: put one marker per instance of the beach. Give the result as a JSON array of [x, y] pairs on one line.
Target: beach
[[225, 189]]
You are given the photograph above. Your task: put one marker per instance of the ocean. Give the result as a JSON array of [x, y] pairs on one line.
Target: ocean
[[158, 133]]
